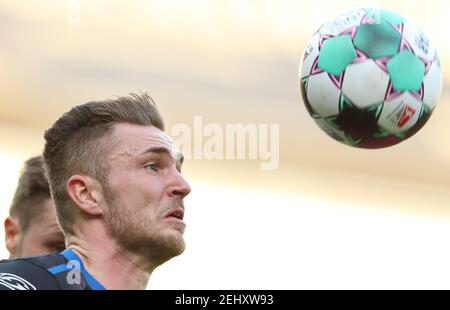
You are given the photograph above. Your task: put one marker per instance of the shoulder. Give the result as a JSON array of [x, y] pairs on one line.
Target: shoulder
[[30, 273]]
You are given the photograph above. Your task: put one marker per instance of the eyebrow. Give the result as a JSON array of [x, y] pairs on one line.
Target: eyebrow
[[163, 150]]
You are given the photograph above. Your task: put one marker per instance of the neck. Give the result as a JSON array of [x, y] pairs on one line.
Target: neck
[[114, 267]]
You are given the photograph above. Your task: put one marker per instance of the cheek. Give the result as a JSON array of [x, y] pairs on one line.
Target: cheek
[[137, 189]]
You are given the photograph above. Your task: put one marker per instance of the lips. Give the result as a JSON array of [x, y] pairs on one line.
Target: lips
[[176, 213]]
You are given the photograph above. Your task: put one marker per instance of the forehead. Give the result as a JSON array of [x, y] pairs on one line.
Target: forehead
[[134, 139]]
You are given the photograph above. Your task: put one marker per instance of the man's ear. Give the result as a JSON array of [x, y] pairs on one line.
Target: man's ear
[[12, 235], [86, 193]]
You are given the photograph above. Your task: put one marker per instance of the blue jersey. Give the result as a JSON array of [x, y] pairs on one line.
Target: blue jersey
[[58, 271]]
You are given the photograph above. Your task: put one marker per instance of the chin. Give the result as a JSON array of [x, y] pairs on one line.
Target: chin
[[168, 246], [177, 245]]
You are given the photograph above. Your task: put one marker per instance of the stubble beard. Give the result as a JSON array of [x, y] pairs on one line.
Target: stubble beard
[[141, 235]]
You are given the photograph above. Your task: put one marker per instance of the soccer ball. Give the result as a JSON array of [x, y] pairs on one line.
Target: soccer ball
[[370, 78]]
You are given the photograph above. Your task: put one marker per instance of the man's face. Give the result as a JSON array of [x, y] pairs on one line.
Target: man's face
[[145, 191], [42, 236]]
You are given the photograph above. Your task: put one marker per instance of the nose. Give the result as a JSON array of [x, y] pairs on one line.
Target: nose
[[180, 187]]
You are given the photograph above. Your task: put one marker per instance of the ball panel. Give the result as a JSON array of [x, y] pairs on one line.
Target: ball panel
[[323, 95], [376, 143], [365, 83], [357, 123], [336, 134], [406, 71], [418, 41], [303, 89], [432, 85], [423, 118], [309, 56], [378, 16], [377, 40], [330, 129], [400, 114], [336, 53], [342, 23]]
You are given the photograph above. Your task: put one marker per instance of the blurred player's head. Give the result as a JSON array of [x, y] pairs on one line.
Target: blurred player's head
[[31, 228], [115, 177]]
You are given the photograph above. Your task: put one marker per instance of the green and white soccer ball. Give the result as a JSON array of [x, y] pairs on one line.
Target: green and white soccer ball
[[370, 78]]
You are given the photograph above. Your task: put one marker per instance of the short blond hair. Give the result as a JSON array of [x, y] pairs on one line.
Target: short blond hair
[[32, 189], [77, 143]]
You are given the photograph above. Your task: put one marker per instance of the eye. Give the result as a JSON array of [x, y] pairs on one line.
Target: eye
[[152, 167], [178, 168]]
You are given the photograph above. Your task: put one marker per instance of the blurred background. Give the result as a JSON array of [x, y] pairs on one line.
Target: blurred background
[[330, 216]]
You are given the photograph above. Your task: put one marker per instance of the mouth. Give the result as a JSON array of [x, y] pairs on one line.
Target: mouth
[[176, 214]]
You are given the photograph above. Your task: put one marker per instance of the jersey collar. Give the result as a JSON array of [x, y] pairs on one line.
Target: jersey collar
[[92, 282]]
